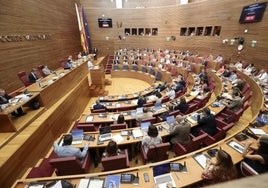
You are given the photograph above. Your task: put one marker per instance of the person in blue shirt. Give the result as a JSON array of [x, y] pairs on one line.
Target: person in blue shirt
[[66, 150]]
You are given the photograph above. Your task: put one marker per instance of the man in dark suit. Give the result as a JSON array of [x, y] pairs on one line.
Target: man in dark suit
[[4, 99], [207, 123], [99, 106], [33, 76]]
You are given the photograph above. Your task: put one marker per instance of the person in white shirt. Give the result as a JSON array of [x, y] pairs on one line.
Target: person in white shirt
[[219, 59], [233, 76], [46, 71], [262, 77], [239, 65], [89, 64], [171, 93]]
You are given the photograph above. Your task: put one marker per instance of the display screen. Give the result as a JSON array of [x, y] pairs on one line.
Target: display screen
[[105, 22], [252, 13]]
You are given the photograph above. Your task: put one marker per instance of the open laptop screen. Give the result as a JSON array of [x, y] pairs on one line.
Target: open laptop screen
[[161, 169], [104, 130], [170, 119], [139, 110], [145, 125]]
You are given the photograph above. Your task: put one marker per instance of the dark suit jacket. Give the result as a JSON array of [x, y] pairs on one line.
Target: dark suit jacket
[[4, 99], [99, 106], [208, 124], [141, 102], [182, 107], [32, 79]]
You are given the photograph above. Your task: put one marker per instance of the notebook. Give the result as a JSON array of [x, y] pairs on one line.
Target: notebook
[[145, 126], [162, 175], [105, 133], [77, 136]]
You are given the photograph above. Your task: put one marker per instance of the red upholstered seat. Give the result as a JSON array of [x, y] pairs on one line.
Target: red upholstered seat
[[115, 162], [24, 78], [70, 165], [155, 153], [39, 68], [119, 126], [247, 170], [194, 144]]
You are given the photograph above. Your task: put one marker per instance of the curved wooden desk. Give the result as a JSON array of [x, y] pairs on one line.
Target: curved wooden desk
[[194, 170]]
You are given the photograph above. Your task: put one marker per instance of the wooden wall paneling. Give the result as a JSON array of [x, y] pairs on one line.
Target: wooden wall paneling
[[32, 144], [57, 18], [170, 19]]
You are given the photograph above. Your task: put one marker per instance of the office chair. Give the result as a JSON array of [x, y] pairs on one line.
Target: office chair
[[115, 162], [155, 153], [24, 78], [70, 165]]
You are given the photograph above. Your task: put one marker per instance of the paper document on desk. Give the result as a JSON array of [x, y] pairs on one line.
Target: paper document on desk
[[96, 183], [137, 133], [118, 138], [83, 183], [257, 131], [89, 118]]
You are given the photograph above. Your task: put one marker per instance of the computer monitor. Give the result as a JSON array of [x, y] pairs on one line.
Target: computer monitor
[[145, 125], [170, 119], [104, 130]]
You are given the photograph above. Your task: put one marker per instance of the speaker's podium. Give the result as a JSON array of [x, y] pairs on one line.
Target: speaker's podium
[[97, 75]]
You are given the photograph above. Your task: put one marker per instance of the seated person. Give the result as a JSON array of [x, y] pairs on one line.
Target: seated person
[[233, 76], [226, 73], [239, 84], [180, 131], [258, 160], [219, 59], [111, 149], [151, 139], [171, 93], [262, 77], [98, 106], [68, 64], [46, 71], [182, 106], [235, 103], [66, 150], [221, 70], [4, 99], [141, 101], [203, 93], [250, 69], [206, 122], [89, 64], [239, 65], [33, 76], [220, 171], [120, 119]]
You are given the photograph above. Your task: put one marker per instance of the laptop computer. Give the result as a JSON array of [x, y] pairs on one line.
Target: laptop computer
[[169, 120], [77, 136], [162, 175], [145, 126], [139, 110], [105, 133]]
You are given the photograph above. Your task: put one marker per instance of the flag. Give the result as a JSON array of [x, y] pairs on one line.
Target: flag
[[83, 28]]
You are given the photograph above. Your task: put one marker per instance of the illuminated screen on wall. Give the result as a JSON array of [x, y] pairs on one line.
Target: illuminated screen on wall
[[105, 22], [252, 13]]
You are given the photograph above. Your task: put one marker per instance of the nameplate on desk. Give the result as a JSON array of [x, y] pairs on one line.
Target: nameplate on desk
[[137, 133], [89, 118], [236, 146]]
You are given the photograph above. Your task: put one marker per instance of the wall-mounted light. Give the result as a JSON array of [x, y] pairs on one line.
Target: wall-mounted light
[[107, 38], [224, 41], [253, 43], [232, 41], [167, 38]]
